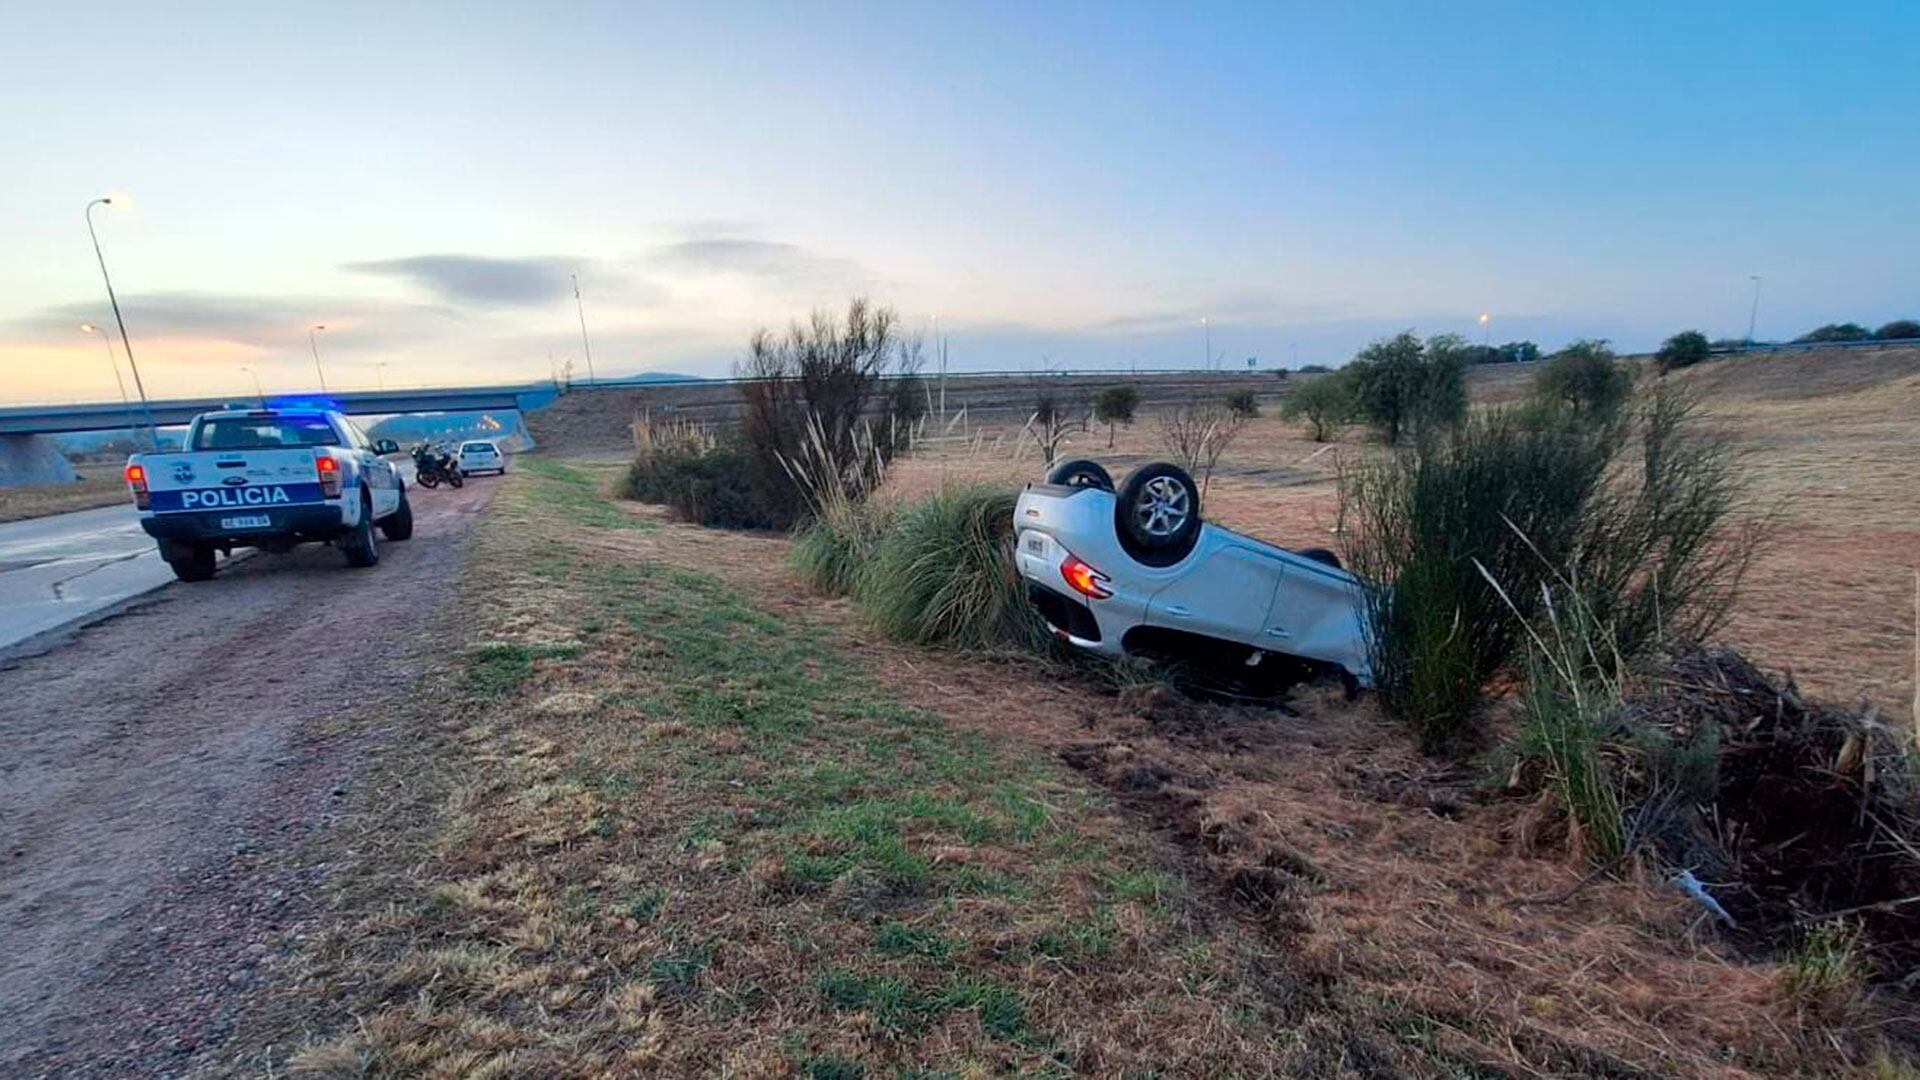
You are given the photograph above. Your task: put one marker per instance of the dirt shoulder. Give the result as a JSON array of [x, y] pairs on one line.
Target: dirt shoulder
[[156, 773], [21, 503]]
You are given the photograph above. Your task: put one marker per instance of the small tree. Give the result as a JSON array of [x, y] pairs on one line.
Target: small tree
[[1401, 385], [1052, 421], [1114, 406], [1243, 404], [1684, 349], [1325, 403], [1833, 332], [1899, 330], [1195, 436], [1586, 378]]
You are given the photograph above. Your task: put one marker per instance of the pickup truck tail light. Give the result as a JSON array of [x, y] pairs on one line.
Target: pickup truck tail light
[[137, 483], [1084, 579], [330, 479]]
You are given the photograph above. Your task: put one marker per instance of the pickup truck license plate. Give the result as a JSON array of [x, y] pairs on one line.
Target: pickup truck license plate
[[246, 521]]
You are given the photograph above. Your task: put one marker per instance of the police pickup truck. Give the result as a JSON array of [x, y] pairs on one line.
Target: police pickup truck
[[269, 478]]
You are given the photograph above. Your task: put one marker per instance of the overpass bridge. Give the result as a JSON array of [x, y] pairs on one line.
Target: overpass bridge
[[29, 455]]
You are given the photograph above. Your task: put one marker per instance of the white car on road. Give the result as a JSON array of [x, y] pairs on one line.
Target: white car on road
[[1138, 571], [482, 455]]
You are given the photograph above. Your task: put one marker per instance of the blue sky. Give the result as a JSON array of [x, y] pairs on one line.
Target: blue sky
[[1075, 185]]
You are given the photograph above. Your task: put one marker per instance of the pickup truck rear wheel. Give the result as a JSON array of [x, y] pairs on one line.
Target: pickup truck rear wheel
[[399, 524], [192, 564], [1157, 514], [359, 545]]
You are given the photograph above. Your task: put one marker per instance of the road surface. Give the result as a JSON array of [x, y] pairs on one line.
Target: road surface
[[157, 771], [55, 571]]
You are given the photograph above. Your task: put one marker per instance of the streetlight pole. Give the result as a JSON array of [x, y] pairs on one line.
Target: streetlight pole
[[1206, 328], [1486, 330], [259, 394], [132, 424], [153, 434], [584, 343], [314, 344], [380, 373], [1754, 315]]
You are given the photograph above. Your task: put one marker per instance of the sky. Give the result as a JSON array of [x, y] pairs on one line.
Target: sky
[[1054, 186]]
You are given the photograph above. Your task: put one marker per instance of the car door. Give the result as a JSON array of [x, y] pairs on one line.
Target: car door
[[383, 480], [1226, 594]]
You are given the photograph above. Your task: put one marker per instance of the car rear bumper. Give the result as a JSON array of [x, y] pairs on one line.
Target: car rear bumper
[[287, 524]]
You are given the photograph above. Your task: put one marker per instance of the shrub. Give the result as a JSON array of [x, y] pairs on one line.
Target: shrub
[[1639, 510], [1899, 330], [1586, 378], [1195, 436], [832, 550], [1835, 332], [1684, 349], [1052, 421], [708, 486], [1115, 405], [1314, 369], [823, 375], [1402, 386], [1325, 403], [944, 574], [1243, 404]]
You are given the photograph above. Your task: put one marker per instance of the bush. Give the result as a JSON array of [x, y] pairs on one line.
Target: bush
[[1115, 405], [832, 551], [1314, 369], [1195, 436], [1898, 330], [1325, 403], [1835, 332], [821, 382], [1684, 349], [1639, 510], [1243, 404], [1402, 386], [1586, 378], [708, 486], [944, 574]]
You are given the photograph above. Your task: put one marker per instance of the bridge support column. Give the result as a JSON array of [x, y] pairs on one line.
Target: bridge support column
[[33, 459]]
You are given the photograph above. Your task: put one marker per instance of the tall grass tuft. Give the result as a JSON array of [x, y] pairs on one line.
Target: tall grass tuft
[[832, 552], [943, 574]]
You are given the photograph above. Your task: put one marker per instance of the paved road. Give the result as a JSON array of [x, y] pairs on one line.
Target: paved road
[[56, 570], [157, 770]]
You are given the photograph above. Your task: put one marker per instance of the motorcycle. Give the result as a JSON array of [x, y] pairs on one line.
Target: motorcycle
[[431, 468]]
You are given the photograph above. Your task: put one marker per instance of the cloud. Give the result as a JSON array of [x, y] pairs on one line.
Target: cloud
[[479, 279], [787, 263], [264, 321]]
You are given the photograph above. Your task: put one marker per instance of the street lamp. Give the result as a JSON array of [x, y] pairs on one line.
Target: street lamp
[[315, 346], [1486, 329], [153, 436], [257, 391], [380, 372], [1206, 328], [1754, 315], [585, 345], [132, 424]]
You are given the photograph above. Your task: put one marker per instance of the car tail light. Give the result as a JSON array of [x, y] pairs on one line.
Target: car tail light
[[137, 483], [1084, 579], [329, 471]]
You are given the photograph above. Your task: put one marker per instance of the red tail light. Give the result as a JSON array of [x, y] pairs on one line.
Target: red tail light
[[329, 471], [137, 483], [1085, 579]]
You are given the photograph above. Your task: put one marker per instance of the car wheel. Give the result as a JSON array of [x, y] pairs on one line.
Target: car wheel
[[1080, 473], [359, 546], [1157, 514], [196, 564], [399, 524], [1320, 555]]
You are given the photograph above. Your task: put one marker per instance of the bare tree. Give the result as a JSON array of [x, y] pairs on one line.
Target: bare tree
[[1053, 421], [1195, 436]]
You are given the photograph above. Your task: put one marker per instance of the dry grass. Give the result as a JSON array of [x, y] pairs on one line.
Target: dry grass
[[99, 487]]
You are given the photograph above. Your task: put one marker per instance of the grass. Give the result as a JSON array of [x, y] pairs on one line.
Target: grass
[[942, 575], [576, 496], [746, 856], [99, 486]]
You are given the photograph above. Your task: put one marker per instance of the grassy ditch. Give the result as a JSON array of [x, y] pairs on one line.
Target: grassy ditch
[[648, 827]]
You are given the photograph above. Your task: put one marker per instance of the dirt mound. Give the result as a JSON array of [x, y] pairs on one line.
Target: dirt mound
[[1814, 811], [1807, 373]]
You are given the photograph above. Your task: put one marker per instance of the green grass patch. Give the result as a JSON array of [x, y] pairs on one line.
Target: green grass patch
[[501, 667], [575, 493]]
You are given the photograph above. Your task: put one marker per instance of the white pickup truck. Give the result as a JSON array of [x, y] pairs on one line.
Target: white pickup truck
[[270, 479]]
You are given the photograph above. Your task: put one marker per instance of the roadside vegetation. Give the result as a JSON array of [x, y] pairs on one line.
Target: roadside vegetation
[[102, 487]]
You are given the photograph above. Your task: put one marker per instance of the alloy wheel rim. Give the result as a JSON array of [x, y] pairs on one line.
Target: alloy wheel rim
[[1163, 507]]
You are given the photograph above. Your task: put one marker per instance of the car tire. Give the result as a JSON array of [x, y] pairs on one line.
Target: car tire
[[1157, 514], [196, 564], [399, 524], [359, 545], [1081, 473], [1321, 555]]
